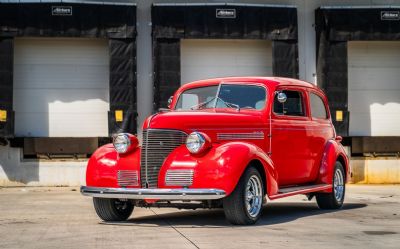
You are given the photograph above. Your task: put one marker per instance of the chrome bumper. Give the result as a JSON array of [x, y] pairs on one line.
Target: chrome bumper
[[158, 193]]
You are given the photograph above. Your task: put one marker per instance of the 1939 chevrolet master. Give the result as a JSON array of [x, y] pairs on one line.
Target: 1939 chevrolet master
[[226, 142]]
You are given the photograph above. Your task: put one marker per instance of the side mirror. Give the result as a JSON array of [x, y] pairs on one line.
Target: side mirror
[[281, 97], [170, 101]]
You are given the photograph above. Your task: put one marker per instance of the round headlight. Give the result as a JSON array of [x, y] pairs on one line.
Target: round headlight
[[121, 143], [197, 142], [194, 142]]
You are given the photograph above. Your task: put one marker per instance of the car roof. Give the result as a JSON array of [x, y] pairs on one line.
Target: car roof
[[267, 81]]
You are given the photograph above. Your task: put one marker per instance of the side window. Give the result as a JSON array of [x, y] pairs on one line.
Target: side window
[[317, 107], [293, 106]]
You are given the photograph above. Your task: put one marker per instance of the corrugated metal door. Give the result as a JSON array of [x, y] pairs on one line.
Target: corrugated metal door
[[207, 58], [61, 87], [374, 88]]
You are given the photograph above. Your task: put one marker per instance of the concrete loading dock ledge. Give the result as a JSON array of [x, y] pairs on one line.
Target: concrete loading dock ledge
[[349, 48]]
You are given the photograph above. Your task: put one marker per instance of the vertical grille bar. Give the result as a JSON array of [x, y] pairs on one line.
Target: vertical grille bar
[[157, 145]]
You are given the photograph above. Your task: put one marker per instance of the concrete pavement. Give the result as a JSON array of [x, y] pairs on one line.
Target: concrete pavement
[[62, 218]]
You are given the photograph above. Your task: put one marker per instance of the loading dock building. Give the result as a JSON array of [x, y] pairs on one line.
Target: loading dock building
[[72, 73], [65, 69], [358, 67], [192, 42]]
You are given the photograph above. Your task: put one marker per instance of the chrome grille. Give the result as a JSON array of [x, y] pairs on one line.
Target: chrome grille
[[128, 178], [157, 145], [177, 177]]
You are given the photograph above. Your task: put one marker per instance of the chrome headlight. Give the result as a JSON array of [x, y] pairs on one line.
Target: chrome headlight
[[195, 142], [121, 143]]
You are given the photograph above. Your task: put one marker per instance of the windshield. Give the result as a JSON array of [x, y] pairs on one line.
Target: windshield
[[222, 96]]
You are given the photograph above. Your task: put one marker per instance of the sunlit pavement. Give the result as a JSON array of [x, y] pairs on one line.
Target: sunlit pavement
[[62, 218]]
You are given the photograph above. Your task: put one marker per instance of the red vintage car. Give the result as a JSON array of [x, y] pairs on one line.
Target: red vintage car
[[225, 142]]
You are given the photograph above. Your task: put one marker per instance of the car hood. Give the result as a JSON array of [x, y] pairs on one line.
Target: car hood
[[205, 119]]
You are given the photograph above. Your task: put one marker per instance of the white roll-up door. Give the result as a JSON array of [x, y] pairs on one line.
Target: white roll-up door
[[374, 88], [208, 58], [61, 87]]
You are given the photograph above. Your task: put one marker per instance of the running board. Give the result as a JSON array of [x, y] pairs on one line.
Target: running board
[[284, 192]]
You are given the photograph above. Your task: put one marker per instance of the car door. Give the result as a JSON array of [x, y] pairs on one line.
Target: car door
[[291, 137], [321, 128]]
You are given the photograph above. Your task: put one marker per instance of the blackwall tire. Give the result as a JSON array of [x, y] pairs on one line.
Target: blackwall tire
[[112, 209], [244, 205], [335, 199]]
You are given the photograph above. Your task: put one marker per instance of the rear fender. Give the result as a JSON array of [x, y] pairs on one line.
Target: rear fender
[[221, 167], [333, 151]]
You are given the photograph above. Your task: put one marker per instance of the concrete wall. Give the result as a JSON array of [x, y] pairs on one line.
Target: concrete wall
[[376, 170], [15, 171]]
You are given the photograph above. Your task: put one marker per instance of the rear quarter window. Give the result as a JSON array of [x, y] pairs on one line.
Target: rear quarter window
[[318, 109]]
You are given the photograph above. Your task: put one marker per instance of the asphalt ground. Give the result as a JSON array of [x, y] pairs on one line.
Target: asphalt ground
[[62, 218]]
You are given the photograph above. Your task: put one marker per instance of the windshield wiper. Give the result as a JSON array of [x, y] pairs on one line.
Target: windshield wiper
[[196, 107], [230, 105]]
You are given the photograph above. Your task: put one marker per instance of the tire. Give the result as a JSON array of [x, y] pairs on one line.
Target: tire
[[112, 209], [335, 199], [237, 206]]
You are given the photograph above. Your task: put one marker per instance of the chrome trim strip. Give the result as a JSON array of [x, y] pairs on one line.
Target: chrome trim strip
[[237, 136], [303, 129], [160, 194]]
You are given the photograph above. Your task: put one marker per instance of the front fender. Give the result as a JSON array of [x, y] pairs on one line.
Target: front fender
[[221, 167], [103, 165], [333, 150]]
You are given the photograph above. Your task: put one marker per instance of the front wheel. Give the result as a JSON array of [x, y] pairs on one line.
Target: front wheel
[[334, 200], [112, 209], [244, 205]]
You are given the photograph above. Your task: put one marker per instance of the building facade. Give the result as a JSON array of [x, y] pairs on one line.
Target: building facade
[[73, 73]]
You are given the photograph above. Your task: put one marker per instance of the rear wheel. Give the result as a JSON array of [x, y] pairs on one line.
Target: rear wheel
[[112, 209], [334, 200], [244, 205]]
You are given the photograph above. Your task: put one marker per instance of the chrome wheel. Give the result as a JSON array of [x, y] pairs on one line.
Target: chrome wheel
[[338, 185], [253, 196], [244, 205], [334, 199]]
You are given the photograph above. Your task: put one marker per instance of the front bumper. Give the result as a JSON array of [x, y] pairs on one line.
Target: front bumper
[[158, 193]]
